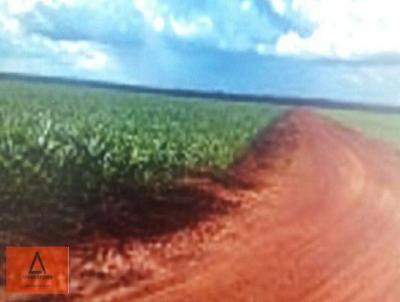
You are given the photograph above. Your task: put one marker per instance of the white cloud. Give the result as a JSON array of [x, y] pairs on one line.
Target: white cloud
[[182, 27], [152, 13], [82, 54], [156, 13], [227, 25], [10, 25], [21, 6], [344, 29], [279, 6], [264, 49], [245, 5], [19, 41], [158, 23], [11, 32], [16, 7]]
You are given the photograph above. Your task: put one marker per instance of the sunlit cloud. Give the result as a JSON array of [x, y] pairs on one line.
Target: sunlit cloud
[[279, 6], [344, 29], [82, 54], [246, 5]]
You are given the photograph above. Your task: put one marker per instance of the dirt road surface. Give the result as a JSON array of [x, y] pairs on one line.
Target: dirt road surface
[[319, 220]]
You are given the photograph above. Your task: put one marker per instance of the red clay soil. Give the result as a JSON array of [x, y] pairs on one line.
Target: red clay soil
[[318, 220]]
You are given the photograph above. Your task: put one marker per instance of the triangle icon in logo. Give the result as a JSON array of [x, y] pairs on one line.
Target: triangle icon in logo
[[37, 267]]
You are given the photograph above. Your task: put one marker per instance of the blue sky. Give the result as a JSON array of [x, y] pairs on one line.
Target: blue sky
[[342, 49]]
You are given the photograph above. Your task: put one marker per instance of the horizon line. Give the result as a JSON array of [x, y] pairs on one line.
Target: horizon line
[[318, 102]]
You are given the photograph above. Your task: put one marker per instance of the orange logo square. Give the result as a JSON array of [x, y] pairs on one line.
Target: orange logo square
[[37, 270]]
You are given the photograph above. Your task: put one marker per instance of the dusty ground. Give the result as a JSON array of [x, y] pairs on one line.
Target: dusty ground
[[311, 213]]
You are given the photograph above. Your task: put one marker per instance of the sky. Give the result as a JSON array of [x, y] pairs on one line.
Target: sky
[[346, 50]]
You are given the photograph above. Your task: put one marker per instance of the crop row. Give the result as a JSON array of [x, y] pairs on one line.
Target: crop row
[[64, 141]]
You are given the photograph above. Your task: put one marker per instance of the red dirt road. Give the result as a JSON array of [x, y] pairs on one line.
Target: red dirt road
[[330, 232], [319, 221]]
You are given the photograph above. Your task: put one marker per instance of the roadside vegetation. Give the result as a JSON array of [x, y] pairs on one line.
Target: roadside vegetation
[[376, 125]]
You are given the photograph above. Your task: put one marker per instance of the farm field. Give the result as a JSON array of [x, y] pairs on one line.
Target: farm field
[[375, 125], [166, 199], [63, 147]]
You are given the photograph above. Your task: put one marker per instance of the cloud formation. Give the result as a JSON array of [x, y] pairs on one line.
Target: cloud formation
[[20, 41], [221, 24], [345, 29], [342, 29], [275, 46]]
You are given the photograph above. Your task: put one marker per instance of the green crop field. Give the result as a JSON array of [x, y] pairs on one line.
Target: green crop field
[[375, 125], [61, 144]]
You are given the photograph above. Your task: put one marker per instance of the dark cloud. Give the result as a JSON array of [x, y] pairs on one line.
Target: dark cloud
[[108, 22]]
